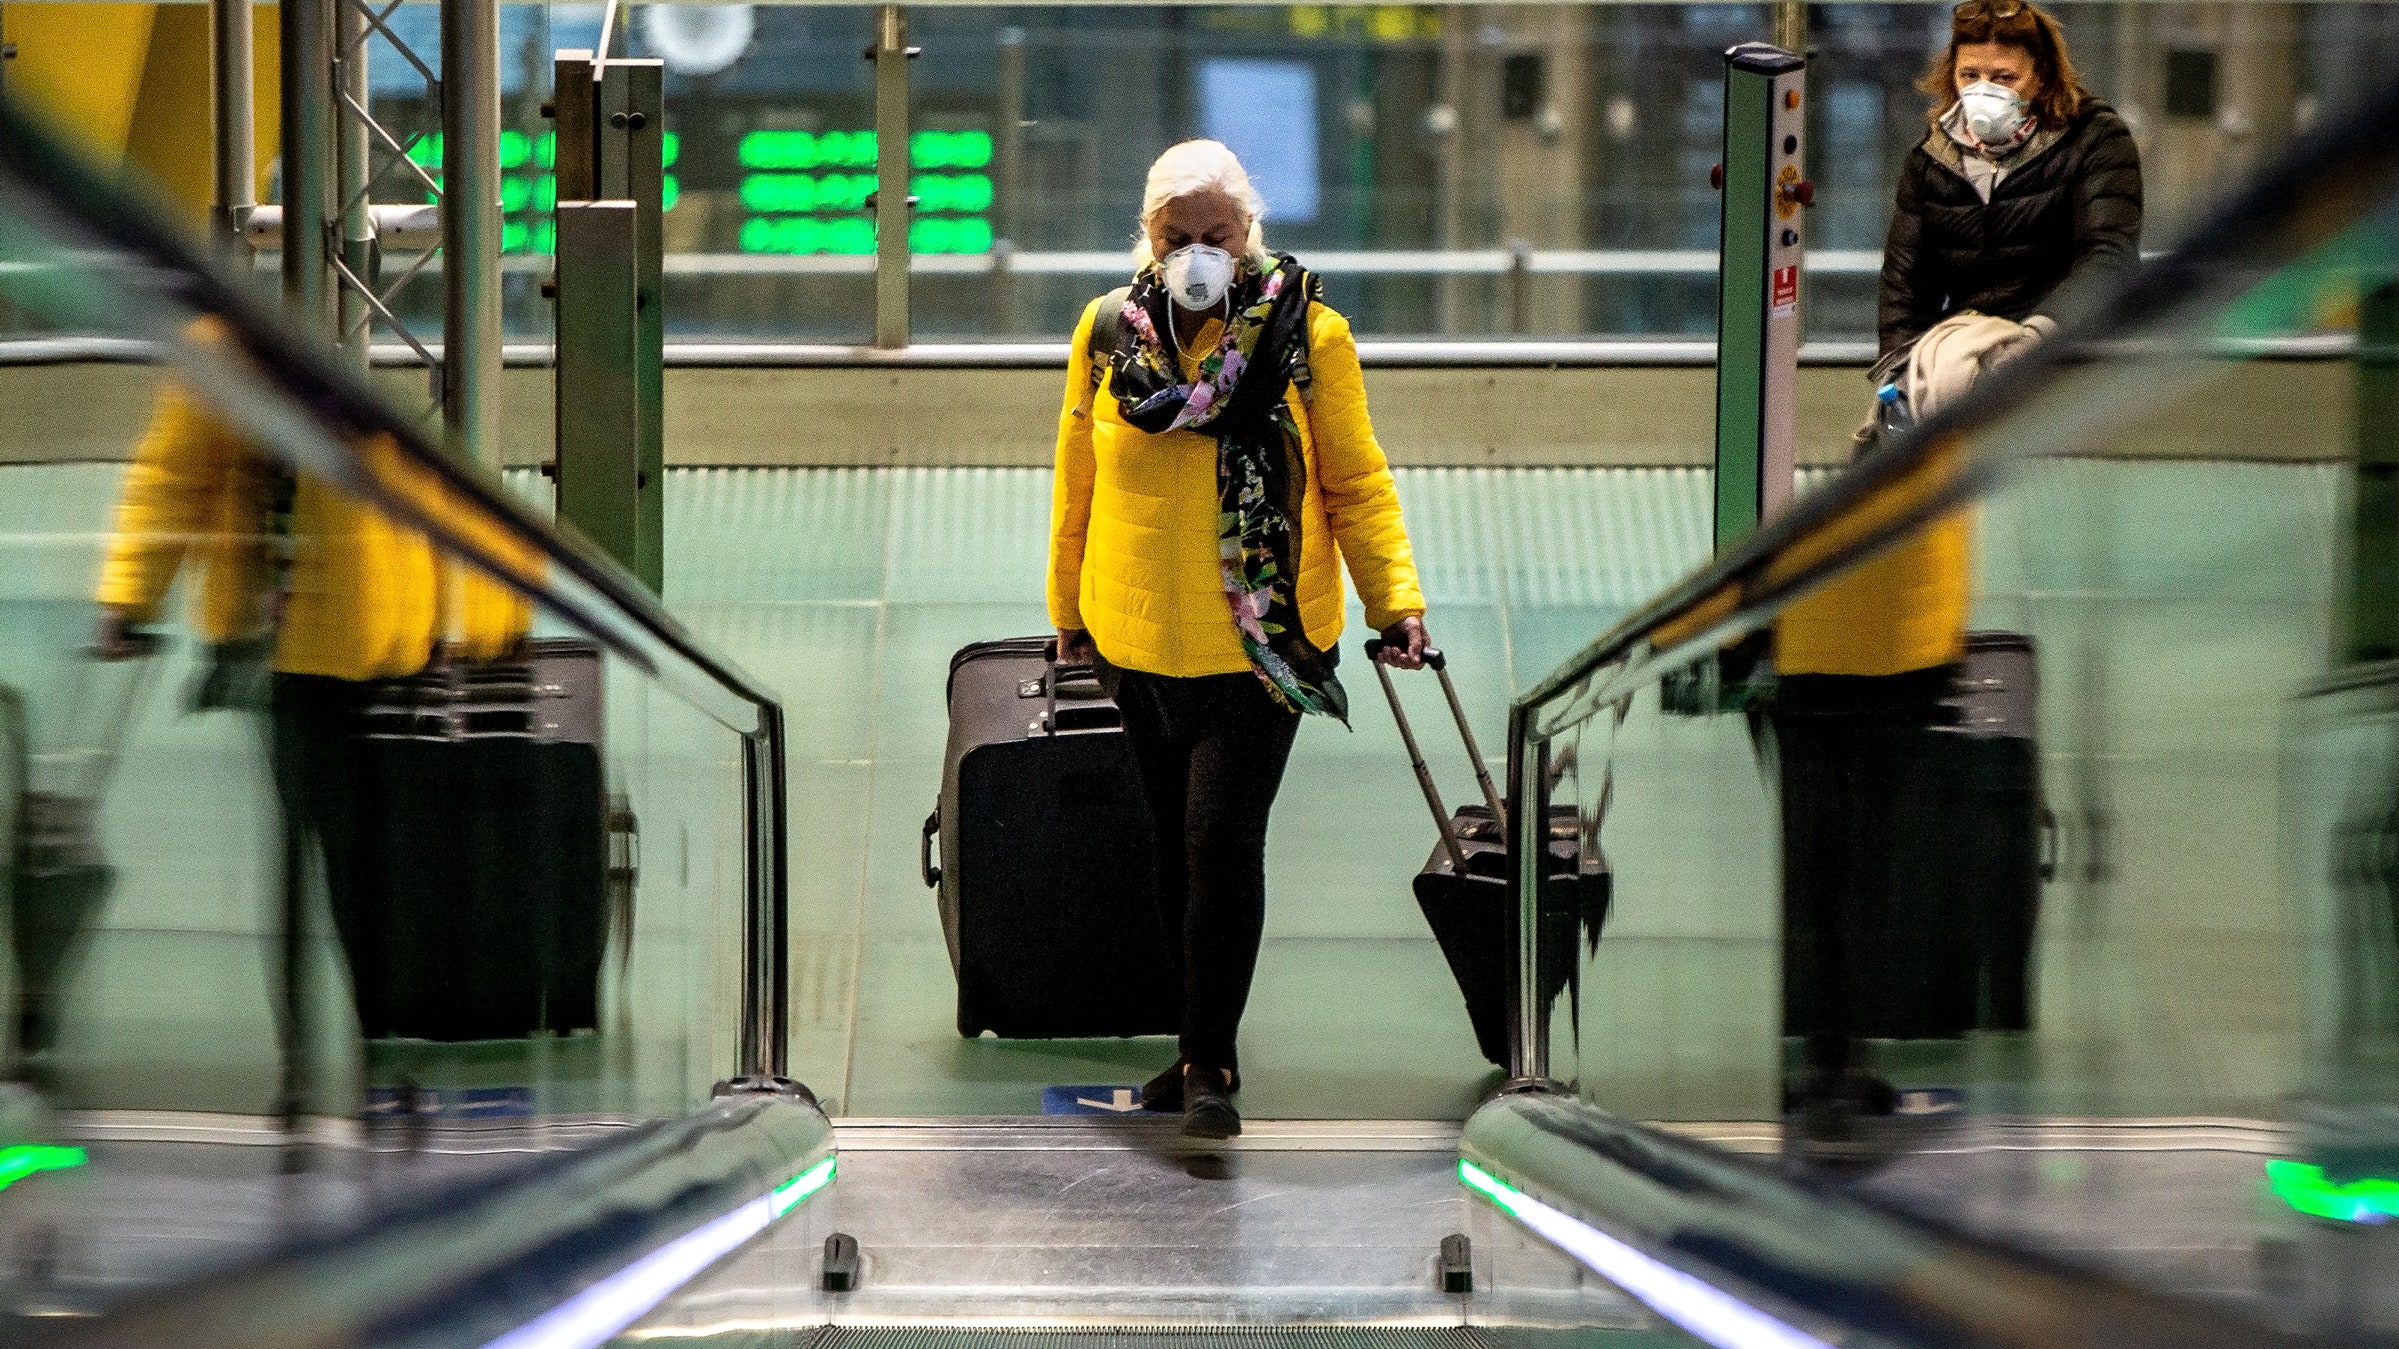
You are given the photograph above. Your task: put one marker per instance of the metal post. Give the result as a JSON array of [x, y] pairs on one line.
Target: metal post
[[1008, 177], [596, 393], [234, 119], [354, 234], [1791, 26], [1757, 316], [470, 228], [572, 107], [1528, 843], [633, 168], [306, 29], [1520, 286], [1450, 164], [893, 215], [766, 953]]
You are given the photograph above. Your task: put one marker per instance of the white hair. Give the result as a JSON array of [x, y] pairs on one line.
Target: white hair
[[1198, 166]]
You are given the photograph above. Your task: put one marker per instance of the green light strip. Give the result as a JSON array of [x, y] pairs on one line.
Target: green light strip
[[31, 1159], [2370, 1199], [795, 1191], [1489, 1186]]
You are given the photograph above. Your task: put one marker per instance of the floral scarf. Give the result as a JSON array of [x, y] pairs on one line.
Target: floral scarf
[[1261, 477]]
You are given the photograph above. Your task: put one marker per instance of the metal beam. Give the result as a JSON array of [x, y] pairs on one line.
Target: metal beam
[[353, 239]]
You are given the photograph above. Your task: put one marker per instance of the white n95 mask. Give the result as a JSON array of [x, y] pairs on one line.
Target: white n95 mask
[[1198, 276], [1993, 113]]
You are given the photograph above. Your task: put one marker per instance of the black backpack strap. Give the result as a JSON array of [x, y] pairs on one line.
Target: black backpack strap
[[1106, 326]]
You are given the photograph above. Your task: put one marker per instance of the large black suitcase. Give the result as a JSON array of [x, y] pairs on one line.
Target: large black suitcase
[[1045, 877], [1463, 889], [474, 905]]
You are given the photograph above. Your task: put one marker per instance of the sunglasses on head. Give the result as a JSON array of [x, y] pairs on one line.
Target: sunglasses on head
[[1988, 9]]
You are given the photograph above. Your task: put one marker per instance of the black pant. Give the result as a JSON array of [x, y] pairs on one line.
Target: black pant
[[314, 742], [1847, 746], [1211, 751]]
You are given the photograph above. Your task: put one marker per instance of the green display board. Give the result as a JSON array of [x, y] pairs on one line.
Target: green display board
[[806, 191]]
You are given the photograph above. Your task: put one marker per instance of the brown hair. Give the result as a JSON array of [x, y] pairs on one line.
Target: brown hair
[[2011, 23]]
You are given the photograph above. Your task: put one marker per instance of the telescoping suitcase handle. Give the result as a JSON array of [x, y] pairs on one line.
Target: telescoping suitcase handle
[[1424, 776]]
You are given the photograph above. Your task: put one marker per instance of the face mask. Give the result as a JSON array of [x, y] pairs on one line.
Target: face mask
[[1198, 276], [1993, 114]]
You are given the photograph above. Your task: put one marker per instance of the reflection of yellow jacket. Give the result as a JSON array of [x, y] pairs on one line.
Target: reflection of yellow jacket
[[1902, 611], [365, 598], [1133, 552]]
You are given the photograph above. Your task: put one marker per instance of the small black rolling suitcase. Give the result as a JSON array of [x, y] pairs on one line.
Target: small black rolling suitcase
[[1045, 869], [1463, 889]]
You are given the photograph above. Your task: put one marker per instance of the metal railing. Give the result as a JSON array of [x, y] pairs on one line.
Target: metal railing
[[566, 1250], [89, 254], [1740, 1256]]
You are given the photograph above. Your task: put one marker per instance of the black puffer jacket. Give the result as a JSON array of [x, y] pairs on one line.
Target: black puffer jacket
[[2071, 209]]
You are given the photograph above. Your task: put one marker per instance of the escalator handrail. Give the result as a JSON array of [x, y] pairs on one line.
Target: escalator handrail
[[2330, 178], [1788, 1262], [565, 1237]]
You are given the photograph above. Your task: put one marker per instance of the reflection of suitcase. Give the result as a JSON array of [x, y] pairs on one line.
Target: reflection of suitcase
[[1982, 774], [1046, 871], [475, 902], [1463, 889], [1947, 888]]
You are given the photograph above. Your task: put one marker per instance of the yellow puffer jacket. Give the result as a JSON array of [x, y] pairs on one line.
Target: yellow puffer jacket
[[1133, 553], [366, 598]]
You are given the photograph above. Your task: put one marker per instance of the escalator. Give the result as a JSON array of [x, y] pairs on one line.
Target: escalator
[[656, 1176]]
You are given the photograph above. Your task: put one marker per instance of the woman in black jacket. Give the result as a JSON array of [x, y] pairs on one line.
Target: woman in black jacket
[[2026, 183]]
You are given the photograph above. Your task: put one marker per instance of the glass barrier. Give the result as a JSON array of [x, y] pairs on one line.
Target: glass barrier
[[360, 834], [2006, 827]]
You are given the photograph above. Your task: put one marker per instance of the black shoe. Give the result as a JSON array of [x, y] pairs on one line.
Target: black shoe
[[1164, 1093], [1208, 1104]]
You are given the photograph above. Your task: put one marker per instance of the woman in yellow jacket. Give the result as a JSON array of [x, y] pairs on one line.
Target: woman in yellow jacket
[[1210, 467], [331, 594]]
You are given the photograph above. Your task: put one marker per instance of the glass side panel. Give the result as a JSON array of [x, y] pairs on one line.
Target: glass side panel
[[335, 871], [2034, 873]]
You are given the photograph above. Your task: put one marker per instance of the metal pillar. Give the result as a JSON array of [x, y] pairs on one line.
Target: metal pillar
[[1757, 315], [893, 205], [233, 115], [470, 234], [1791, 26], [306, 29]]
